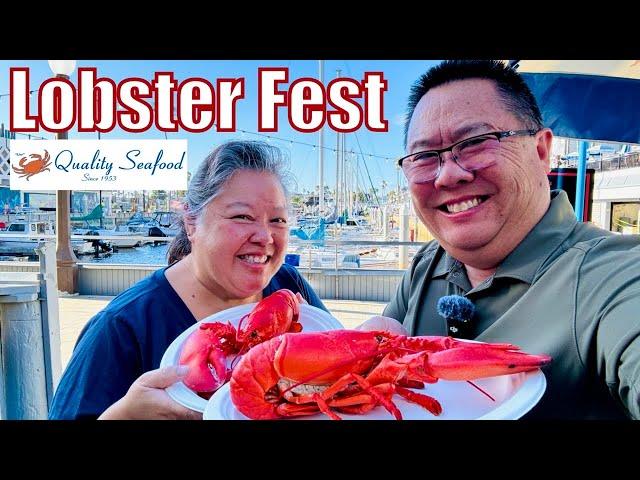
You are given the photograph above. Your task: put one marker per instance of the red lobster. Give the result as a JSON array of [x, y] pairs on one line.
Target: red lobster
[[354, 371], [205, 351]]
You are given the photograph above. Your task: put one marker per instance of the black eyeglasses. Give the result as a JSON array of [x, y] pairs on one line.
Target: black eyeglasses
[[470, 154]]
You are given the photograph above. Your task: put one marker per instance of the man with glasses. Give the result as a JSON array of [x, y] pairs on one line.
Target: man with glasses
[[477, 165]]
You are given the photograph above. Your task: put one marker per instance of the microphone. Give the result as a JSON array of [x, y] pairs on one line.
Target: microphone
[[458, 311]]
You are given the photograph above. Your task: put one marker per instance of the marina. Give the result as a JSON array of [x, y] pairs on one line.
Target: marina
[[356, 240]]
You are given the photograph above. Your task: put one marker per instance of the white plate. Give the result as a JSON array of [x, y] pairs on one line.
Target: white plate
[[514, 395], [312, 319]]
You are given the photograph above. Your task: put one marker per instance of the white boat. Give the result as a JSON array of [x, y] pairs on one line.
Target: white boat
[[119, 231], [22, 236], [123, 231]]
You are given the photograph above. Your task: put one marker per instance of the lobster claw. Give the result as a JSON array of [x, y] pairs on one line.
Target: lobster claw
[[205, 352], [479, 361], [207, 372], [276, 314]]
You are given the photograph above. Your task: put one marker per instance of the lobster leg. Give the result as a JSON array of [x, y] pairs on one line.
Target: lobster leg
[[353, 401], [424, 401], [407, 370], [386, 402], [357, 404], [324, 408], [365, 403], [294, 410], [344, 382]]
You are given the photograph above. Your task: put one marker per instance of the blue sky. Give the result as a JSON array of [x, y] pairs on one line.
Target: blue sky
[[400, 74]]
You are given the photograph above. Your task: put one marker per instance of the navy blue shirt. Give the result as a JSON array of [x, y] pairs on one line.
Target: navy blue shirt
[[129, 337]]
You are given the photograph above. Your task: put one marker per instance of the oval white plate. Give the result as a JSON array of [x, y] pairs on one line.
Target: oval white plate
[[312, 319], [514, 395]]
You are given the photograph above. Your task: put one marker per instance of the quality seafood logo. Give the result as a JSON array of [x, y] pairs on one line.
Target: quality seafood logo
[[32, 164], [99, 165]]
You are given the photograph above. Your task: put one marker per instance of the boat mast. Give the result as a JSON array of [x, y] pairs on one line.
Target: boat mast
[[321, 151], [345, 182], [338, 177]]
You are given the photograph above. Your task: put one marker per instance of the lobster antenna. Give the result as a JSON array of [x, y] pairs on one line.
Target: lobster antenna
[[481, 390], [240, 325], [234, 362]]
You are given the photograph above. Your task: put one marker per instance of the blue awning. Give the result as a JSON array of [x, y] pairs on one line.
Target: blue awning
[[595, 100], [588, 107]]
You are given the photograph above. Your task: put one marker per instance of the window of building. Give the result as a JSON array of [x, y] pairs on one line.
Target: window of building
[[624, 217]]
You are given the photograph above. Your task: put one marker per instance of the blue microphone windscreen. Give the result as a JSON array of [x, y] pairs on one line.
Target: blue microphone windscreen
[[456, 307]]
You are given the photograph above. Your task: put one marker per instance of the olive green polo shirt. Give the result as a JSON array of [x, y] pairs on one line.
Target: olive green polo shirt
[[569, 290]]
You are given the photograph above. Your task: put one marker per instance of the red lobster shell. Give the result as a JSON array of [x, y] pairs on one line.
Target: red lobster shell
[[354, 371]]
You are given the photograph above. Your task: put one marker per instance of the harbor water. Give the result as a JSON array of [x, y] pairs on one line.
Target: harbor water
[[147, 254]]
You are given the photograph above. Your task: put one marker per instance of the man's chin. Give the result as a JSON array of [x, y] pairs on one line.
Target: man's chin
[[464, 243]]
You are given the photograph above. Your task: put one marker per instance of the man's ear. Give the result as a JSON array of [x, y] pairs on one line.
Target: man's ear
[[543, 147]]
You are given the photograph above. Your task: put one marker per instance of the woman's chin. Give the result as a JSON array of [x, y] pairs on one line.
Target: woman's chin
[[250, 286], [252, 280]]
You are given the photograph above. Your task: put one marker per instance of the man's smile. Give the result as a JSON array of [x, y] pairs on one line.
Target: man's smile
[[462, 204]]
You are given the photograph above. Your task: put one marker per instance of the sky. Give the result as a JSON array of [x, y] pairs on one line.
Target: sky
[[400, 74]]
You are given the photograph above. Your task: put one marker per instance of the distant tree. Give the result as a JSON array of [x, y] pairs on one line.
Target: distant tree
[[297, 200]]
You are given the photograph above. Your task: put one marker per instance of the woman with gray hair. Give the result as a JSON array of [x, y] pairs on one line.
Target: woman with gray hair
[[229, 252]]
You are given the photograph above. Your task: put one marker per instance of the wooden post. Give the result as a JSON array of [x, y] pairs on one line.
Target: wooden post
[[50, 318], [66, 260]]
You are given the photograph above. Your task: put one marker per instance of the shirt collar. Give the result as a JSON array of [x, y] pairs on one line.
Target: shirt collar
[[542, 242]]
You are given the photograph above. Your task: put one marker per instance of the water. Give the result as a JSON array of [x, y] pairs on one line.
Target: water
[[147, 254]]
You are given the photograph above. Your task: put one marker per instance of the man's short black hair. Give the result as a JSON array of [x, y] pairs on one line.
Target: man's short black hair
[[513, 90]]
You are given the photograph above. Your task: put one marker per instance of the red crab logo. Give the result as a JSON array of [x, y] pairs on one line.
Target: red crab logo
[[36, 164]]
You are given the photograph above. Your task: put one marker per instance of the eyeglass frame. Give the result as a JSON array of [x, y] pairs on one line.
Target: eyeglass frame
[[440, 151]]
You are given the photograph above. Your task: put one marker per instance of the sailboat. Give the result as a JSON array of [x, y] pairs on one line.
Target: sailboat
[[96, 215]]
